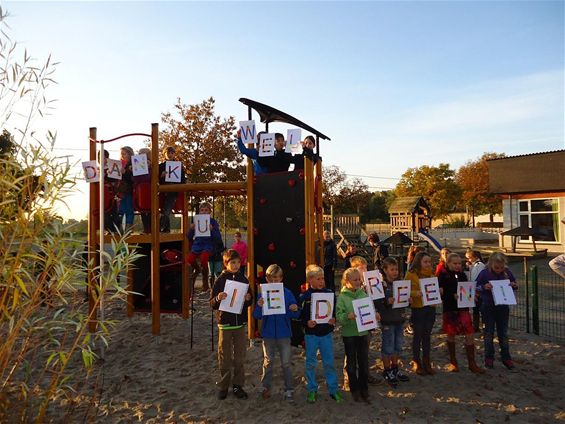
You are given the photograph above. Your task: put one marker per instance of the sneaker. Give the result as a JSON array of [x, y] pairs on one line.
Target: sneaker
[[337, 396], [239, 393], [400, 376], [489, 363], [509, 364], [390, 378], [311, 397], [289, 395], [266, 394], [222, 394]]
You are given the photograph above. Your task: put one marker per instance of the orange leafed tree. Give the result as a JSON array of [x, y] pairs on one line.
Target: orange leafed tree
[[205, 143], [473, 179]]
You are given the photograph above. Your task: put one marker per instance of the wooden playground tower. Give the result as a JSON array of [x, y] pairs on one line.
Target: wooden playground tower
[[313, 217]]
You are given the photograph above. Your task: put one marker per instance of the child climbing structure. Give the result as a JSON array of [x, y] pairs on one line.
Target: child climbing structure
[[284, 223]]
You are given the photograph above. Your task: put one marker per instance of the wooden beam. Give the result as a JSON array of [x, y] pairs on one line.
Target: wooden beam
[[232, 186], [250, 246], [155, 234], [92, 227]]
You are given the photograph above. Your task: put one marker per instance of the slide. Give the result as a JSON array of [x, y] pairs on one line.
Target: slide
[[433, 242]]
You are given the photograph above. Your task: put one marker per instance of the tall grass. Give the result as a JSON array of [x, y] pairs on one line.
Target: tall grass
[[43, 318]]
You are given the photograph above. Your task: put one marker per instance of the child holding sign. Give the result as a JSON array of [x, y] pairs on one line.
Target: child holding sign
[[423, 317], [276, 332], [232, 335], [456, 321], [318, 334], [203, 247], [495, 315], [355, 342], [125, 189], [392, 325]]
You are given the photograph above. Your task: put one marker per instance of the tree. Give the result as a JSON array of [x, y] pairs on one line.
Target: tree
[[474, 182], [204, 142], [334, 180], [378, 206], [436, 184]]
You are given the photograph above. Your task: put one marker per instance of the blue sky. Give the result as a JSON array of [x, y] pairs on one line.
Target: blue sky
[[394, 84]]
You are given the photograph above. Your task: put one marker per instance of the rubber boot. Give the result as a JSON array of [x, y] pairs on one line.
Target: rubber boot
[[452, 367], [470, 349], [428, 365], [417, 367]]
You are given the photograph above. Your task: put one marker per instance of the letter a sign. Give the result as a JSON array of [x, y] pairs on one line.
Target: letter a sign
[[322, 307]]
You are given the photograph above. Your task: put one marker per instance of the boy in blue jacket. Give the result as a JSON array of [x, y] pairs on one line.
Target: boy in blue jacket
[[318, 337], [276, 332]]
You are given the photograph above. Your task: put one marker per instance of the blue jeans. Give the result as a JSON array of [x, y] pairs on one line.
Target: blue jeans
[[215, 268], [325, 345], [270, 349], [496, 316], [126, 208], [392, 339]]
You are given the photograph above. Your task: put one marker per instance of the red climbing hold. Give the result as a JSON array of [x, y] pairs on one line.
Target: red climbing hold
[[291, 182], [271, 247], [302, 231]]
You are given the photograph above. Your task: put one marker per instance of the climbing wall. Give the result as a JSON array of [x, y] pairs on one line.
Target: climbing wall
[[279, 225]]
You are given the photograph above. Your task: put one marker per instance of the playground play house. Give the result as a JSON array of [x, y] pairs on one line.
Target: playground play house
[[284, 225]]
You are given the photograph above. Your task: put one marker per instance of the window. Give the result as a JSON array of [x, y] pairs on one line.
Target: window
[[543, 216]]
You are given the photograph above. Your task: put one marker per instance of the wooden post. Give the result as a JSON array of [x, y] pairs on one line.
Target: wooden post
[[185, 274], [92, 226], [250, 246], [155, 234], [320, 212]]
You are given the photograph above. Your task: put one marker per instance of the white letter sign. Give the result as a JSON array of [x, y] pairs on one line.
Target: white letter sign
[[273, 298], [236, 292], [365, 315], [114, 169], [401, 293], [502, 293], [173, 171], [90, 169], [293, 138], [466, 294], [201, 225], [247, 131], [322, 307], [139, 165], [430, 291], [267, 145], [374, 284]]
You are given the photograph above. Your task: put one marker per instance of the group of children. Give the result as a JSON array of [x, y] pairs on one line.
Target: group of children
[[122, 191], [276, 330]]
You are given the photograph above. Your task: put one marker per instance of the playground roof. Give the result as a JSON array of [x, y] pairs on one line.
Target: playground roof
[[408, 204], [398, 238], [522, 231], [270, 114]]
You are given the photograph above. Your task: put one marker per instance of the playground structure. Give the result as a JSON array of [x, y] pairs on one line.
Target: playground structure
[[303, 216]]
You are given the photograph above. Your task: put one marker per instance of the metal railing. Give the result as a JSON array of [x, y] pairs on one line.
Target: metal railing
[[541, 304]]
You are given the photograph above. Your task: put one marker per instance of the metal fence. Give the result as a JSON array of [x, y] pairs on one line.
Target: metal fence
[[541, 304]]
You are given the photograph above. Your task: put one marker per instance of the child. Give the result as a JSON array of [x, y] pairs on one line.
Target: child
[[423, 317], [146, 178], [125, 188], [392, 325], [495, 315], [203, 247], [318, 337], [251, 153], [308, 145], [456, 321], [276, 332], [232, 337], [356, 343], [330, 260], [442, 260], [281, 160], [241, 248], [360, 263], [169, 198], [476, 265]]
